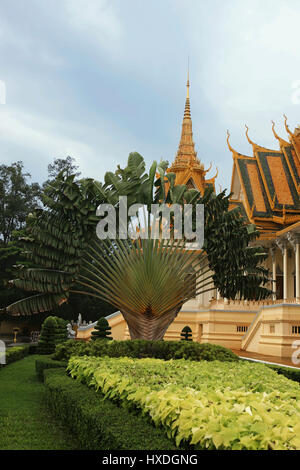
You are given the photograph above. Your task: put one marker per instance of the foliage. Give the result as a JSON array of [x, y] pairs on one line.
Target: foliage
[[43, 363], [55, 242], [237, 267], [66, 165], [288, 372], [98, 424], [209, 405], [291, 373], [26, 424], [186, 334], [61, 235], [141, 348], [148, 281], [17, 199], [102, 330], [91, 308], [54, 331], [15, 353]]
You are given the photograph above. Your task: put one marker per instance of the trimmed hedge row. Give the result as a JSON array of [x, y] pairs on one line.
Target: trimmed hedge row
[[15, 353], [289, 373], [292, 374], [99, 424], [141, 349], [47, 362]]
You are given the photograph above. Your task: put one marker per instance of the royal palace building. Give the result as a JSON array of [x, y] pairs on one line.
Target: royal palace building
[[266, 187]]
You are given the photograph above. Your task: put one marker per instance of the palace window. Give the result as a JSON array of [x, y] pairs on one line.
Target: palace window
[[295, 329], [272, 329], [241, 328]]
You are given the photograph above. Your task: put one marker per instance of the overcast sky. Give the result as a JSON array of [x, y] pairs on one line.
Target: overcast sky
[[97, 79]]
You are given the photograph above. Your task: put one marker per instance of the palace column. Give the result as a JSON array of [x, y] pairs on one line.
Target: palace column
[[285, 272], [273, 255], [297, 267], [282, 243], [294, 238]]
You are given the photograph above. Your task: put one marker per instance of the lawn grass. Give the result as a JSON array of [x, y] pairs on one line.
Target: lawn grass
[[25, 422]]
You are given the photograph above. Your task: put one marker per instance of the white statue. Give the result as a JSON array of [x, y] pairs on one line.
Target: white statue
[[79, 320], [71, 332]]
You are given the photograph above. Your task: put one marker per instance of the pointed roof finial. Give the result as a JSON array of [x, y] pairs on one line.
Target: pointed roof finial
[[286, 126], [229, 146], [208, 169], [187, 110], [188, 80], [273, 129], [281, 141], [248, 138]]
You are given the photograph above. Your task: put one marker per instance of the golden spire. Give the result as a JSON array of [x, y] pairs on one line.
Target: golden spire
[[188, 80], [188, 169], [186, 150], [187, 110]]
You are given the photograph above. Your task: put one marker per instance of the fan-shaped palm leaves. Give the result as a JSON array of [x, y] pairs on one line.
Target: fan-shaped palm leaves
[[147, 280]]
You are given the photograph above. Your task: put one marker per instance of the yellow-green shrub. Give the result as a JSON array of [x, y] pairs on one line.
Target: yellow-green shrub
[[206, 404]]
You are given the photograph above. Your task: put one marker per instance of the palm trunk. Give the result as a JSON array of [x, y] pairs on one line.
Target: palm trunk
[[147, 326]]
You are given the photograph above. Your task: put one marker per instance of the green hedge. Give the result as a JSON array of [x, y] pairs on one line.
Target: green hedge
[[47, 363], [99, 424], [15, 353], [140, 349], [289, 373], [292, 374]]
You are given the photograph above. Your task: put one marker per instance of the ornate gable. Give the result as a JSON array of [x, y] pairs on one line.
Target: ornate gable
[[267, 184]]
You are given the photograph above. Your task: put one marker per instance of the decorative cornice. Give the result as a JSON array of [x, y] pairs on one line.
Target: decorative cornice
[[294, 239], [282, 244]]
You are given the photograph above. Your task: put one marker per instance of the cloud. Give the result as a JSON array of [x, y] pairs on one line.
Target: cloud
[[101, 78], [95, 19]]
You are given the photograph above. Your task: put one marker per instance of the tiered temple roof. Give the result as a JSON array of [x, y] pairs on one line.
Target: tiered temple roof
[[266, 186], [187, 167]]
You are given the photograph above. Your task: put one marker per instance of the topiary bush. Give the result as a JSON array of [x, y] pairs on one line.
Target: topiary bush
[[142, 348], [54, 331], [186, 334], [102, 330], [62, 330]]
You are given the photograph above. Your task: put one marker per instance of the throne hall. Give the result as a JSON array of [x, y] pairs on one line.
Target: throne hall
[[266, 187]]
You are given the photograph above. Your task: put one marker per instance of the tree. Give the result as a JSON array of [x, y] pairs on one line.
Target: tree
[[62, 333], [48, 337], [139, 279], [67, 166], [186, 334], [102, 330], [54, 331], [17, 199]]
